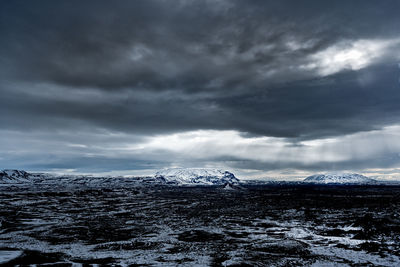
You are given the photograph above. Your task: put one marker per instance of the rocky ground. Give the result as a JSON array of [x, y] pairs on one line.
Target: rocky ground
[[263, 225]]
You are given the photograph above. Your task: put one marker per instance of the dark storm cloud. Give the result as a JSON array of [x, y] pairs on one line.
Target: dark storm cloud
[[304, 109], [188, 44], [316, 108], [264, 68], [225, 48]]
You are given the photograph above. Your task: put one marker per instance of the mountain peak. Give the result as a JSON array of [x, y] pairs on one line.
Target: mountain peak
[[196, 176], [14, 176]]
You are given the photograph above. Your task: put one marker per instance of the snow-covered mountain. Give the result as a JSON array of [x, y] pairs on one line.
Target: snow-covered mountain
[[197, 176], [344, 178], [14, 176]]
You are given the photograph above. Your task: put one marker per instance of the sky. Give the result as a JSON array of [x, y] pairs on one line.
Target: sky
[[265, 89]]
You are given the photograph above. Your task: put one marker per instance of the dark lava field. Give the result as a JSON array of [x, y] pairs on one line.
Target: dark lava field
[[259, 225]]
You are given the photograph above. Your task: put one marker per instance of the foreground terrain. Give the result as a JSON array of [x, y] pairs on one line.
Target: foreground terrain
[[154, 225]]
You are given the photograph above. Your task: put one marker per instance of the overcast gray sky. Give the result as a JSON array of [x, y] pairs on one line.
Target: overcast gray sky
[[261, 88]]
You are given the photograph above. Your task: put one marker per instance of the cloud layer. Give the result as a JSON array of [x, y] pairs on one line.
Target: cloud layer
[[282, 71]]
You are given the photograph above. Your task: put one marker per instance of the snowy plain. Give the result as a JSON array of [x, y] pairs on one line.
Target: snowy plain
[[78, 220]]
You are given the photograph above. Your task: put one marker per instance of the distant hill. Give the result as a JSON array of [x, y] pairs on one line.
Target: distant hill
[[344, 178], [14, 176], [197, 176]]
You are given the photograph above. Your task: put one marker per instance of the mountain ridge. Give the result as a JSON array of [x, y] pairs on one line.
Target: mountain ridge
[[195, 176], [339, 178], [14, 176]]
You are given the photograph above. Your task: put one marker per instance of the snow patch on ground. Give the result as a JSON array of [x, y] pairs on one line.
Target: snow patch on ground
[[9, 255]]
